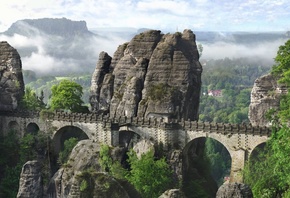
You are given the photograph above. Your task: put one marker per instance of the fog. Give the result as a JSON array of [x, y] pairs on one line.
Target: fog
[[55, 55], [264, 51]]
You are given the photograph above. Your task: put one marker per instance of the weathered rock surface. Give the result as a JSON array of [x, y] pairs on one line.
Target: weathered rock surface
[[154, 75], [82, 176], [172, 193], [11, 79], [237, 190], [265, 95], [83, 156], [142, 147], [30, 184]]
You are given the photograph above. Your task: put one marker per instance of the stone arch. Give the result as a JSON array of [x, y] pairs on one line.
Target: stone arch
[[257, 144], [13, 125], [32, 128], [128, 138], [194, 165], [65, 133], [256, 150]]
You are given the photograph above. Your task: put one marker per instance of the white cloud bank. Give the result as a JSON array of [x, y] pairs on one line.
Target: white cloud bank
[[166, 15]]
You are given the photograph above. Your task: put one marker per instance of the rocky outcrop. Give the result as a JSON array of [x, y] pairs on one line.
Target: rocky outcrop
[[82, 176], [11, 79], [30, 184], [265, 95], [154, 75], [236, 190], [102, 84], [142, 147], [172, 193]]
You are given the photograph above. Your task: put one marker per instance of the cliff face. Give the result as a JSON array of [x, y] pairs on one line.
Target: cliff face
[[11, 79], [154, 75], [265, 95]]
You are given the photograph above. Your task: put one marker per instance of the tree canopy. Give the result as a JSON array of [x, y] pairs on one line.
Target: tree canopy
[[67, 95], [31, 101], [268, 174]]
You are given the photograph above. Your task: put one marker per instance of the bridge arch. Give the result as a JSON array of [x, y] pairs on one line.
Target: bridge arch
[[255, 152], [128, 138], [64, 133], [13, 125], [32, 128], [194, 156]]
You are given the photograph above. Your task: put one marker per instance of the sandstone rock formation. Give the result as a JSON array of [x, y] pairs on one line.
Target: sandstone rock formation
[[236, 190], [30, 184], [154, 75], [172, 193], [11, 79], [265, 95], [82, 176], [142, 147]]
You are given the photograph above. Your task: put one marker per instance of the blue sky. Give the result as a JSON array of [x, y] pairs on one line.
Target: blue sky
[[166, 15]]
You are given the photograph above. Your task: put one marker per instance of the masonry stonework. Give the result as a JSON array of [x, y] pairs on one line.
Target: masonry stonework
[[239, 140]]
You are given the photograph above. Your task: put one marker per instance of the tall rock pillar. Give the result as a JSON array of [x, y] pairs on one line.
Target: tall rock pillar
[[11, 78]]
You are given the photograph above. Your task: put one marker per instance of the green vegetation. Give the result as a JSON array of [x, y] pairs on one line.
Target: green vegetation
[[149, 176], [268, 173], [107, 164], [161, 91], [69, 144], [235, 79], [31, 101], [67, 96], [14, 153], [44, 83], [219, 160]]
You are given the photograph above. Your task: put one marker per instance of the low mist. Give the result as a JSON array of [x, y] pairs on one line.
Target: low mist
[[56, 55], [265, 52]]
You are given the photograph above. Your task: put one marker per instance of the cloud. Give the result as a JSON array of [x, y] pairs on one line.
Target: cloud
[[158, 14], [265, 51], [51, 55]]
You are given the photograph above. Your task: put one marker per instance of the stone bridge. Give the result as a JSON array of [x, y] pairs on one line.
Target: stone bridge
[[239, 140]]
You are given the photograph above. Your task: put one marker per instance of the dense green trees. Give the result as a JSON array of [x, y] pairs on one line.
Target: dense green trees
[[31, 101], [235, 79], [67, 95], [268, 174], [69, 144], [14, 153], [150, 176]]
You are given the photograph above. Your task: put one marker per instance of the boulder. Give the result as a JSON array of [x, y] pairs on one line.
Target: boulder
[[143, 147], [11, 78], [265, 95], [172, 193], [154, 75], [237, 190], [82, 175], [30, 184]]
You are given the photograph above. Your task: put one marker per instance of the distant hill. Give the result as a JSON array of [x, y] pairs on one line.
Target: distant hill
[[54, 46], [60, 46], [60, 27]]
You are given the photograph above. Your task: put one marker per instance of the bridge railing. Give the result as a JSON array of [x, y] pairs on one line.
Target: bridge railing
[[225, 128]]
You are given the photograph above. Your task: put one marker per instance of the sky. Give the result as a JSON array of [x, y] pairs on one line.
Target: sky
[[165, 15]]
